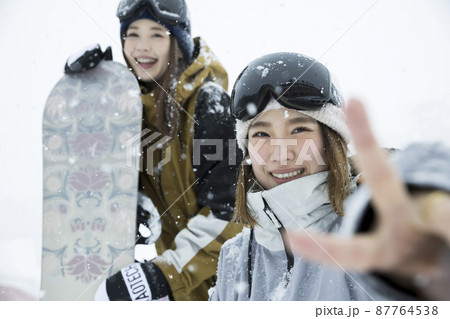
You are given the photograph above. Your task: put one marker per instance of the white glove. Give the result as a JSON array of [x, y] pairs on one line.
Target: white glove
[[152, 230]]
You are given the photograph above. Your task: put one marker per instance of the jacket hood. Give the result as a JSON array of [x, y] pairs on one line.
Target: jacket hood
[[205, 67]]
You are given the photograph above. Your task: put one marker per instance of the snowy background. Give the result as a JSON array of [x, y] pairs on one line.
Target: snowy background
[[394, 54]]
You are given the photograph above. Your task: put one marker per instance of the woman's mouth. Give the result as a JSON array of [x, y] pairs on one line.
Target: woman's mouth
[[145, 63], [288, 175]]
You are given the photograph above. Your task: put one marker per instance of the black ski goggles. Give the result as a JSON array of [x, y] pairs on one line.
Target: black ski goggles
[[170, 12], [294, 80]]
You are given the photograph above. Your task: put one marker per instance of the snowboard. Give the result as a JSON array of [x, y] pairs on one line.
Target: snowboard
[[91, 129]]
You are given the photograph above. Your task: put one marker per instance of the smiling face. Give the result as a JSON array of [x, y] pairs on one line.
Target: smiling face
[[147, 47], [285, 145]]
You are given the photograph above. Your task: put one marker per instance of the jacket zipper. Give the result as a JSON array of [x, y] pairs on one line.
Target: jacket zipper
[[287, 248]]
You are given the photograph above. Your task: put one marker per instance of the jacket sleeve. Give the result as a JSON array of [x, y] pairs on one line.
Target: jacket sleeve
[[424, 166], [190, 268]]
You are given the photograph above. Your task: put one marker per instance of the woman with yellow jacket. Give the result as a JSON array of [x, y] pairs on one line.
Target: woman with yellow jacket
[[190, 178]]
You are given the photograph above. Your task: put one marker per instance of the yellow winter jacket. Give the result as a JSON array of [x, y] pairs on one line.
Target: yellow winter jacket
[[194, 195]]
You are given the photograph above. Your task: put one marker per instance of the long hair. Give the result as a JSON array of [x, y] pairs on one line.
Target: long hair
[[246, 178], [338, 181], [167, 109], [339, 178]]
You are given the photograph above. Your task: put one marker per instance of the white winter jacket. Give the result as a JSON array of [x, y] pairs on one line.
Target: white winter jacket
[[255, 265]]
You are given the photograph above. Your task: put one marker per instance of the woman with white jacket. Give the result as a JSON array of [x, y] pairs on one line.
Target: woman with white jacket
[[396, 226], [295, 175]]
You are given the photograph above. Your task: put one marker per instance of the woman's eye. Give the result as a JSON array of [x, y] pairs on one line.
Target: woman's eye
[[260, 134], [157, 35], [131, 35], [300, 130]]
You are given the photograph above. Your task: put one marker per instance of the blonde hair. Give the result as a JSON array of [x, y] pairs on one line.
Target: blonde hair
[[339, 178]]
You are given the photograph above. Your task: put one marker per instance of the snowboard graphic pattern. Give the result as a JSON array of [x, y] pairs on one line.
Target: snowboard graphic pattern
[[90, 195]]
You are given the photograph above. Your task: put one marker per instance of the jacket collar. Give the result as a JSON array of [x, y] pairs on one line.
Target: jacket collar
[[296, 204]]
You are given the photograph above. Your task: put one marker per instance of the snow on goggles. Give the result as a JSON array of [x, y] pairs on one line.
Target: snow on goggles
[[169, 12], [294, 80]]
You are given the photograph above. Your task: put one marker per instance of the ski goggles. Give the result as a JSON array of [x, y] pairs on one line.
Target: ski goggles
[[170, 12], [294, 80]]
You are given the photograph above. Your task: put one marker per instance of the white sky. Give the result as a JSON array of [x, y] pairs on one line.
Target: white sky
[[394, 54]]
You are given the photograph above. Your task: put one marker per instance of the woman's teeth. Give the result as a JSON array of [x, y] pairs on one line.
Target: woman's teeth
[[140, 60], [288, 175]]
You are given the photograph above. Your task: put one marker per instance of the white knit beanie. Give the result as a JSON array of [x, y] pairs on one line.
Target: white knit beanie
[[329, 114]]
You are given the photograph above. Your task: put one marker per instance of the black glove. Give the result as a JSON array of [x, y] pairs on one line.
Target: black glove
[[135, 282], [87, 59]]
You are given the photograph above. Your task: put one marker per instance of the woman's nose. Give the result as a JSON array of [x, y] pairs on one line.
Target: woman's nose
[[143, 45], [283, 150]]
